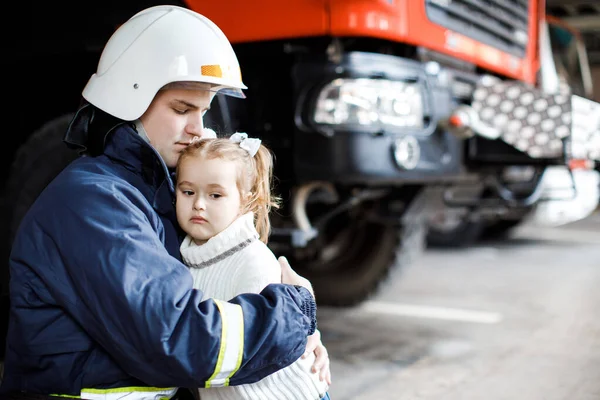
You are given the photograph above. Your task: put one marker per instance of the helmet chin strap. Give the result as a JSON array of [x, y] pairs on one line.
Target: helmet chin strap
[[139, 127]]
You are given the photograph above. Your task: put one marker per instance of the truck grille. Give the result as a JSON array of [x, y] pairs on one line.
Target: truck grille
[[502, 24]]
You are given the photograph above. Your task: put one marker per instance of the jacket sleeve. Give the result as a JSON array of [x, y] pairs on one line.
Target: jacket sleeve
[[116, 279]]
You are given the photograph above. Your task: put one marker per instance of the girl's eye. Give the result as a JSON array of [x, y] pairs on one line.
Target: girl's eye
[[187, 192], [216, 195]]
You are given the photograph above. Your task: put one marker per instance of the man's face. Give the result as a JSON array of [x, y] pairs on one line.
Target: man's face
[[173, 119], [208, 199]]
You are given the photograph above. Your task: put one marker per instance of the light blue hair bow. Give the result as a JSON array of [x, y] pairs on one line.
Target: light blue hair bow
[[251, 145]]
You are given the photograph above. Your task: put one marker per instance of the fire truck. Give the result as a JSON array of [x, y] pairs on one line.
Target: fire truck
[[364, 103]]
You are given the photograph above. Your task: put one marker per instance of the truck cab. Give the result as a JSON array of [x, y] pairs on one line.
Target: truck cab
[[353, 96]]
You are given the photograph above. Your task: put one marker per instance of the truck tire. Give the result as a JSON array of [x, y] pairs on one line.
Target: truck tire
[[368, 253], [500, 229], [37, 162]]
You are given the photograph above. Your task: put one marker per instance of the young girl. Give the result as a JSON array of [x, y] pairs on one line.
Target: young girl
[[223, 203]]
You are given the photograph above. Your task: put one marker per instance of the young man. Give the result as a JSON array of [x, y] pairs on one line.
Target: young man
[[101, 305]]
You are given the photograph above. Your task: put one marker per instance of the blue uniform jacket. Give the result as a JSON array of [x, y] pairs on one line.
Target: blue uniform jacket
[[100, 298]]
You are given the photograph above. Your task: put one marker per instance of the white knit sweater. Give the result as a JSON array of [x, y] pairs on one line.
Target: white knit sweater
[[234, 262]]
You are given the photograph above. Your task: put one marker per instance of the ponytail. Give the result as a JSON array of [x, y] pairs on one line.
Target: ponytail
[[261, 198]]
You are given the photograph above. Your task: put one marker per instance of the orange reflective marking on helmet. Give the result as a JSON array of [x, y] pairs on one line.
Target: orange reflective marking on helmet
[[212, 70], [217, 71]]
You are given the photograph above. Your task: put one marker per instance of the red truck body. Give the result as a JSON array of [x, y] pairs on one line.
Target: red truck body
[[401, 21]]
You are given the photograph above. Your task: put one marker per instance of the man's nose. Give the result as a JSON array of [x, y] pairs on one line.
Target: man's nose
[[195, 127]]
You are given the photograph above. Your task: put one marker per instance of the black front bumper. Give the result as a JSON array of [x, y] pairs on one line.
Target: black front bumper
[[359, 158]]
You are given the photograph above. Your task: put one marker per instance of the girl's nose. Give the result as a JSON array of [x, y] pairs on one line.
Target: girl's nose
[[199, 204]]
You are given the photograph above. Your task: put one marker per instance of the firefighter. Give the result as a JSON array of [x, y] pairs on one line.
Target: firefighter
[[101, 305]]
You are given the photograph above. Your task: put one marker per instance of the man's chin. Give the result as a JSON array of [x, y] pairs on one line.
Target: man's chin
[[172, 161]]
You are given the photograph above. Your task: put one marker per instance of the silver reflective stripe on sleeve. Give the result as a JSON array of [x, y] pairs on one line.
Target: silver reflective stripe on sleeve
[[129, 393], [232, 344]]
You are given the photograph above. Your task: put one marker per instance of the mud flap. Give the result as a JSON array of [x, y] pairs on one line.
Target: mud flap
[[525, 118], [585, 142], [544, 126]]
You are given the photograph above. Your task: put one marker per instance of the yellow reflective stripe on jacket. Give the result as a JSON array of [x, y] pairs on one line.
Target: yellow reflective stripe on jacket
[[129, 393], [232, 344]]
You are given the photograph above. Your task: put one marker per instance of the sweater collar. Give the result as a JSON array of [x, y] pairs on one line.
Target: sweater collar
[[236, 236]]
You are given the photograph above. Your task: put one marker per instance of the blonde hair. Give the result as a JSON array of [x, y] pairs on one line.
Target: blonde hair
[[255, 175]]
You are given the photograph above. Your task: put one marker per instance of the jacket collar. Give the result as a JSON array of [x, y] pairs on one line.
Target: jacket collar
[[127, 148]]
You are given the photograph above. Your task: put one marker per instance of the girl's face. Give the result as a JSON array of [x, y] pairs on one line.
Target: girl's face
[[174, 119], [208, 199]]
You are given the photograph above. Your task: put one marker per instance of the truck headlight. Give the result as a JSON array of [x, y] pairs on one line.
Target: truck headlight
[[370, 103]]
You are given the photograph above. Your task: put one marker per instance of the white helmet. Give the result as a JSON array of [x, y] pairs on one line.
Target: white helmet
[[157, 46]]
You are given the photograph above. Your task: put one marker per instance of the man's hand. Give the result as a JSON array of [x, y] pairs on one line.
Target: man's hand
[[321, 364], [289, 276], [313, 344]]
